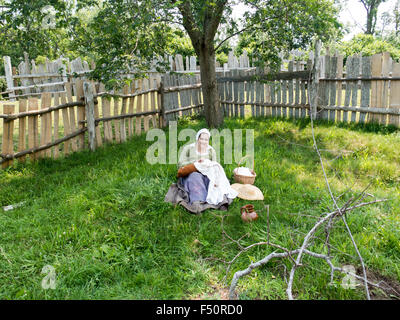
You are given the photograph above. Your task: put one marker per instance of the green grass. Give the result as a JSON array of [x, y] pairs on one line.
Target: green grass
[[100, 220]]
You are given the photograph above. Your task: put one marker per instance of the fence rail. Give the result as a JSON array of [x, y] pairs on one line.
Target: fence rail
[[67, 123], [53, 75], [366, 89]]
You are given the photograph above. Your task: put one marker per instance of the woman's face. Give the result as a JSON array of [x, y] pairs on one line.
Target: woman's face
[[203, 140]]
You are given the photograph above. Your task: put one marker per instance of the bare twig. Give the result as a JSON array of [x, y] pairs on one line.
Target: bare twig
[[289, 290], [328, 219], [288, 253]]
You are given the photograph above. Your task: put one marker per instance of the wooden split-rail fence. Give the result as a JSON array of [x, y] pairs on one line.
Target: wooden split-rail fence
[[59, 123], [29, 79], [364, 89]]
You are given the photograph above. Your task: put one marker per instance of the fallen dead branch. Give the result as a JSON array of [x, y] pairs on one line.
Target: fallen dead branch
[[326, 220], [290, 253]]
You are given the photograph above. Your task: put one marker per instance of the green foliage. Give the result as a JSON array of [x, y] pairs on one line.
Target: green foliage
[[222, 58], [393, 38], [246, 42], [222, 51], [100, 220], [281, 27], [121, 34], [124, 35], [27, 26], [40, 60], [368, 45], [179, 43], [3, 85]]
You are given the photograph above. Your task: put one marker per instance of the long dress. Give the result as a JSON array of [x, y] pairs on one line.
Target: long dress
[[196, 185], [191, 191]]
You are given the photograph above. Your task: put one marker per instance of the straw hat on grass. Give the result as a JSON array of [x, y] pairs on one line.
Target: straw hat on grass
[[248, 191]]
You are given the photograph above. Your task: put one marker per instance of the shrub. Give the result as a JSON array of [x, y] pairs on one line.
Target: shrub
[[3, 85], [368, 45]]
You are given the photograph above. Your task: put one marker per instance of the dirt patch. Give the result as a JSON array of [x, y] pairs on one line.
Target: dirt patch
[[389, 288], [216, 293]]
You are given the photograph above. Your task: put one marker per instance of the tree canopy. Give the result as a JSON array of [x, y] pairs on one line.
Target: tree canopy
[[371, 7], [367, 45], [136, 33], [116, 30], [39, 28], [274, 25]]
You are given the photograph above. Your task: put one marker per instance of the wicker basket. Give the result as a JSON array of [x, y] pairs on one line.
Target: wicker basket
[[244, 179]]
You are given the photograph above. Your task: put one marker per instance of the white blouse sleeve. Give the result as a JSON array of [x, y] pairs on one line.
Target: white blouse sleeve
[[185, 156]]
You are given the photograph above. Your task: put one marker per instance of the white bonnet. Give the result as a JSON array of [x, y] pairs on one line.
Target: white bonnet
[[204, 130]]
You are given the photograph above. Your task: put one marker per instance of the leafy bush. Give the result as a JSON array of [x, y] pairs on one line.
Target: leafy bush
[[40, 60], [368, 45], [179, 43], [3, 85], [222, 58]]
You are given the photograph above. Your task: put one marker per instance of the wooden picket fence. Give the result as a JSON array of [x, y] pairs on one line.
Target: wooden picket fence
[[283, 94], [29, 79], [367, 91], [56, 124], [183, 92]]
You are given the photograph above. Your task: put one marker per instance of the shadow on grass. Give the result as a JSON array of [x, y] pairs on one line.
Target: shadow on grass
[[103, 213]]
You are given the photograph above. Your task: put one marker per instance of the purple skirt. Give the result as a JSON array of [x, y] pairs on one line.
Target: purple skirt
[[191, 193], [196, 185]]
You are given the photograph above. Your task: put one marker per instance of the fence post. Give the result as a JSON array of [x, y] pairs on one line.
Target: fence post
[[8, 129], [89, 109], [9, 77], [315, 81], [160, 100], [80, 95]]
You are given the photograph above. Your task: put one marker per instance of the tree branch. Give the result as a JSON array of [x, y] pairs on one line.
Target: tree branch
[[337, 207], [299, 252], [211, 26], [249, 27], [236, 33], [190, 24]]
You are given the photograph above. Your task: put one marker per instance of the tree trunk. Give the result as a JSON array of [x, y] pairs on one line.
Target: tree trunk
[[213, 112], [397, 18], [370, 18]]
